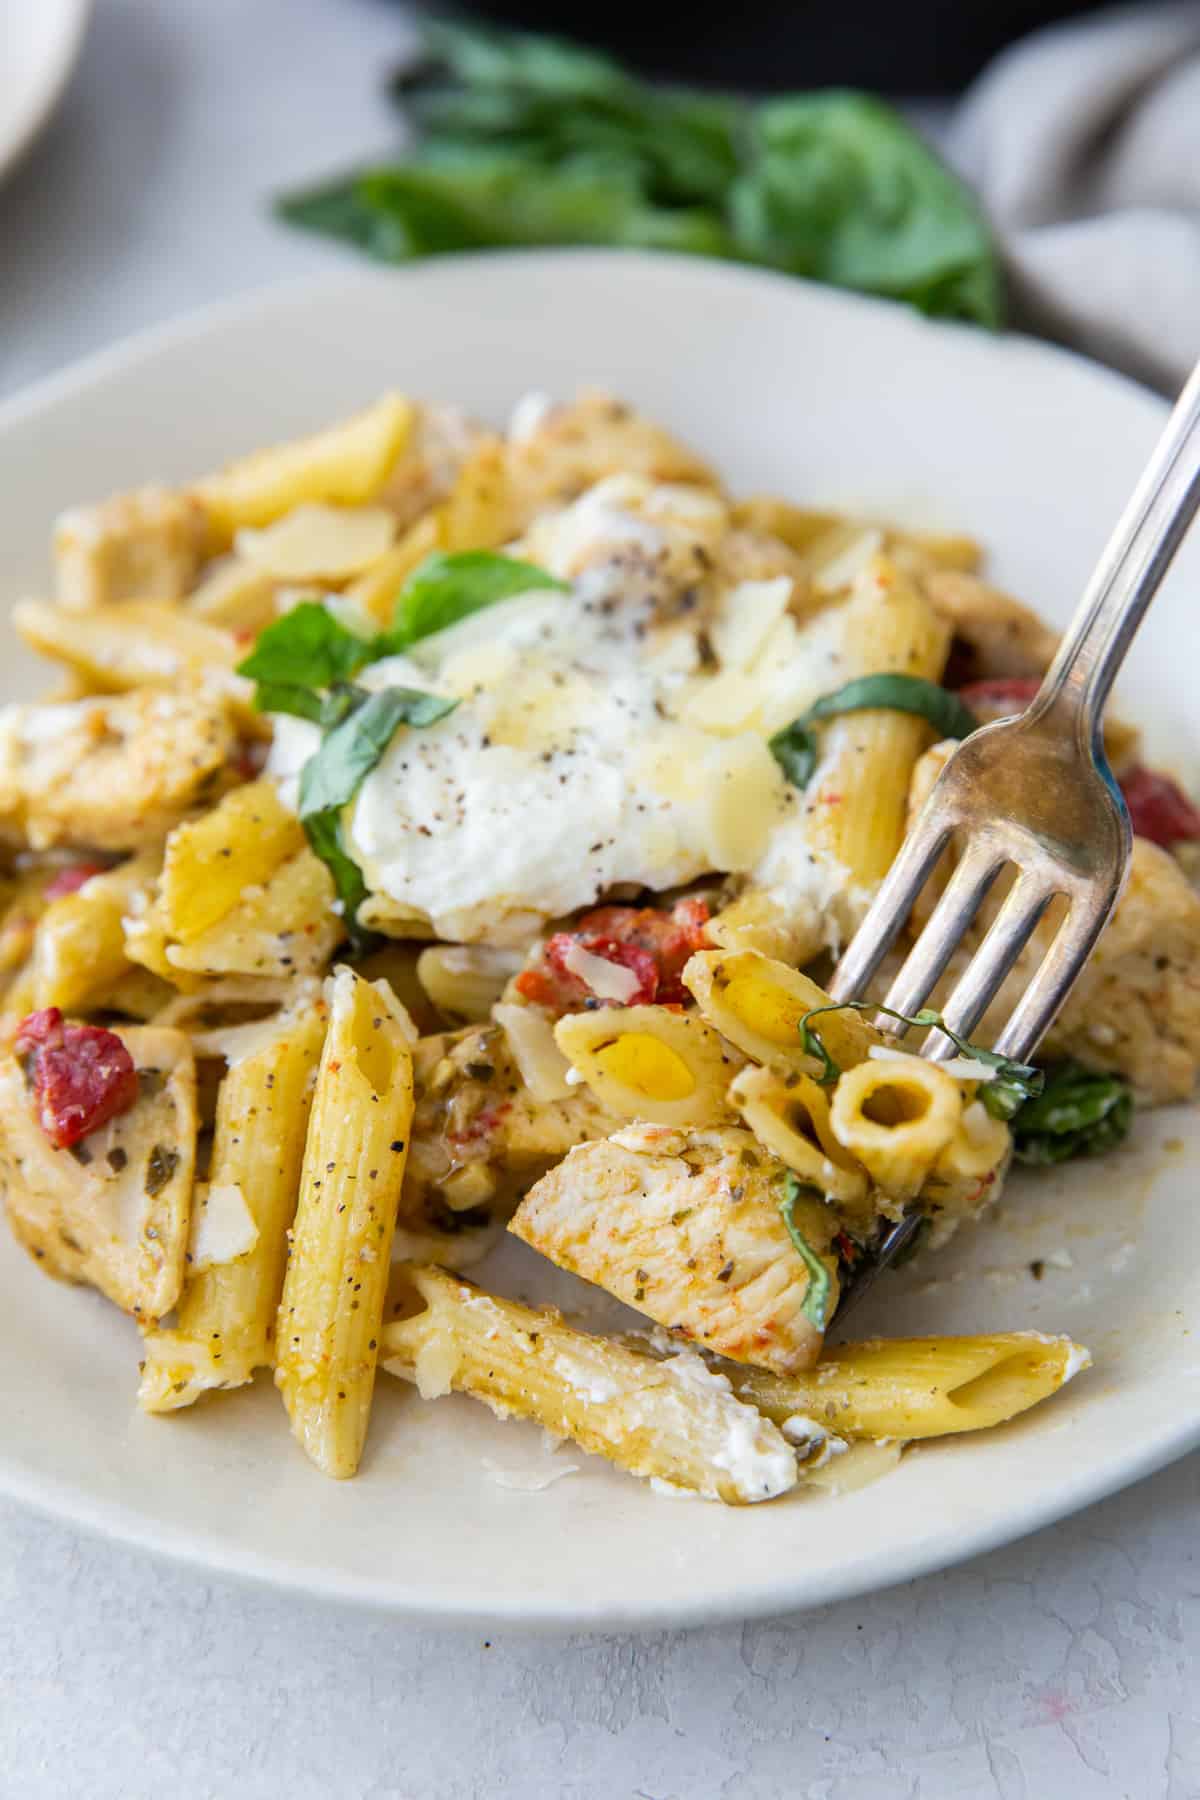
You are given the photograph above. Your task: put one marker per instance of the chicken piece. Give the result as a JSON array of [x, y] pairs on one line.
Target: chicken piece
[[442, 438], [1000, 635], [147, 545], [1135, 1010], [114, 1209], [574, 445], [115, 773], [686, 1226], [479, 1137]]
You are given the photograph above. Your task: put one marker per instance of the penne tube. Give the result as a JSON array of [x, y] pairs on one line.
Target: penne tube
[[225, 1324], [915, 1387], [759, 1004], [79, 949], [144, 643], [674, 1421], [896, 1117], [334, 1290], [646, 1062], [789, 1115]]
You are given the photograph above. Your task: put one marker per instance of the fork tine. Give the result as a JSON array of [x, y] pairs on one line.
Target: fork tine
[[898, 891], [977, 987], [950, 918], [1070, 948]]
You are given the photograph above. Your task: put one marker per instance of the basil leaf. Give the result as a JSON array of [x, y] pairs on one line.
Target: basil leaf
[[283, 697], [1079, 1113], [324, 832], [523, 139], [446, 588], [839, 189], [306, 648], [795, 750], [815, 1304], [332, 776], [366, 724], [1014, 1082], [899, 693]]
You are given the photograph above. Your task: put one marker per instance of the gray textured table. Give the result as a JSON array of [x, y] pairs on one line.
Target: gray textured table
[[1065, 1665]]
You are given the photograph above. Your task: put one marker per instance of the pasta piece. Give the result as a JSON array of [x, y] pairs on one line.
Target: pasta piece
[[789, 1115], [759, 1004], [319, 543], [345, 465], [970, 1171], [210, 862], [284, 927], [143, 643], [647, 1062], [117, 772], [146, 545], [225, 1327], [334, 1290], [672, 1420], [79, 948], [464, 981], [856, 802], [896, 1117], [687, 1227], [114, 1211], [915, 1387]]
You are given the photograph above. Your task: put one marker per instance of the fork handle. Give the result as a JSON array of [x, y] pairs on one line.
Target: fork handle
[[1128, 574]]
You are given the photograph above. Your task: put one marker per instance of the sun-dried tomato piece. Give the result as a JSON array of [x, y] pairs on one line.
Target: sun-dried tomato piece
[[651, 942], [1158, 808], [81, 1075], [70, 878], [1000, 697]]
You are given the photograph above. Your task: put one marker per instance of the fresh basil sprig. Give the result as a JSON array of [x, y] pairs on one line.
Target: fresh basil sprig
[[446, 588], [1014, 1082], [334, 773], [815, 1304], [308, 649], [1078, 1113], [795, 747], [518, 139]]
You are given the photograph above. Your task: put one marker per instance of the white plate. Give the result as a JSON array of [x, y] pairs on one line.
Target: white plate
[[790, 388], [39, 43]]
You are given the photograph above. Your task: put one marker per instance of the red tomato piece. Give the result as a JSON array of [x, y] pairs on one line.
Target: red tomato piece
[[82, 1076], [651, 942], [1000, 697], [1158, 808], [69, 879]]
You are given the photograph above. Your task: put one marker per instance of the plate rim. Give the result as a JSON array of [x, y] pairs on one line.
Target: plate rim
[[42, 101], [204, 1550]]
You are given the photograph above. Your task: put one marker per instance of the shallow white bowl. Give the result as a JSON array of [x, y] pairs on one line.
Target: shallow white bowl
[[788, 387], [40, 41]]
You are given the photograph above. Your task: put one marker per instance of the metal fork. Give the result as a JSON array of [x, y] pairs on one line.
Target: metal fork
[[1036, 793]]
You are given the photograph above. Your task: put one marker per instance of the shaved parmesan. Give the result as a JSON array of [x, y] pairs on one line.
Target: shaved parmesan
[[223, 1226], [607, 980], [315, 542], [962, 1068]]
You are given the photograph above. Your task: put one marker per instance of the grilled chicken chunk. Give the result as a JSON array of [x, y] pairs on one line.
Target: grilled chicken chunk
[[116, 772], [686, 1226]]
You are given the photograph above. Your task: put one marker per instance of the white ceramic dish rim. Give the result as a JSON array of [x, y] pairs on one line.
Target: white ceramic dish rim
[[210, 1552], [20, 131]]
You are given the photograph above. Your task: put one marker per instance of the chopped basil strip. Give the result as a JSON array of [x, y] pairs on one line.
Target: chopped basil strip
[[1078, 1113], [795, 749], [444, 589], [306, 648], [283, 697], [1014, 1082], [815, 1304], [333, 774]]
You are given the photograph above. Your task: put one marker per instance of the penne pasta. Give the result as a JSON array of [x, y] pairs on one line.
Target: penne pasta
[[759, 1004], [643, 1062], [916, 1387], [225, 1324], [145, 643], [672, 1421], [331, 1308], [896, 1117], [79, 952]]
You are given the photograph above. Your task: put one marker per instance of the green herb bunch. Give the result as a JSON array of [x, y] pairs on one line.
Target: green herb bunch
[[526, 140]]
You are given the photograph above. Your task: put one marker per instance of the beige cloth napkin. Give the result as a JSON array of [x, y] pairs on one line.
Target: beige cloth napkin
[[1084, 142]]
